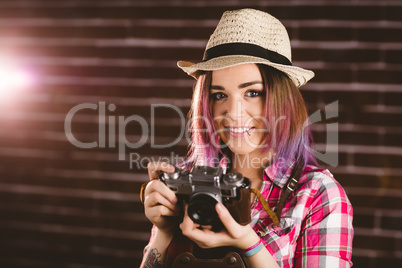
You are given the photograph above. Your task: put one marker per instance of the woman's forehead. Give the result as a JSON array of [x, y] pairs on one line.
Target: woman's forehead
[[237, 75]]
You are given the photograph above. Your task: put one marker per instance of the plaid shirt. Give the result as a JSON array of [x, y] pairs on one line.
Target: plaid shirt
[[316, 222]]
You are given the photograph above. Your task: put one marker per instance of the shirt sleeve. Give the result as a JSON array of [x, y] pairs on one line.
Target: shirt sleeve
[[327, 231]]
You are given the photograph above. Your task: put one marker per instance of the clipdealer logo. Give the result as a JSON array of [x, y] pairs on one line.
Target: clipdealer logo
[[112, 131], [330, 154]]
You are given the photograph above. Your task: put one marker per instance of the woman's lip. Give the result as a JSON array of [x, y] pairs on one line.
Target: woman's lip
[[239, 131]]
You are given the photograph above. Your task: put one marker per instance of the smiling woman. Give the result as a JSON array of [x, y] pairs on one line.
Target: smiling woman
[[248, 113], [252, 106]]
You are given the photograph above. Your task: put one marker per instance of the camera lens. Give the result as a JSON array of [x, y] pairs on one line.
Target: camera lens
[[201, 209]]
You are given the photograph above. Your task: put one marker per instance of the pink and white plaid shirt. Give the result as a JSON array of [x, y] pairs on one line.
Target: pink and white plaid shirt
[[316, 222]]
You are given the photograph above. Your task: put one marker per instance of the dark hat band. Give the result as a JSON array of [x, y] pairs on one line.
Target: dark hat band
[[247, 50]]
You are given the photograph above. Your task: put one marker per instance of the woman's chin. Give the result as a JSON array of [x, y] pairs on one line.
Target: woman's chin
[[242, 149]]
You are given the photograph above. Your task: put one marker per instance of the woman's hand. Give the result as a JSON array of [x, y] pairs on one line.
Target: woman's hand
[[233, 234], [160, 203]]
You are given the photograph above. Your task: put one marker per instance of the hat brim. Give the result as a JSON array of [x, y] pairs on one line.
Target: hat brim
[[298, 75]]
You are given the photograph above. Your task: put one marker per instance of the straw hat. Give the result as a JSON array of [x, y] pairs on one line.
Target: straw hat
[[248, 36]]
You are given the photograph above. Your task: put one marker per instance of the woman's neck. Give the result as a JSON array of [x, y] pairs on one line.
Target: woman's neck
[[251, 166]]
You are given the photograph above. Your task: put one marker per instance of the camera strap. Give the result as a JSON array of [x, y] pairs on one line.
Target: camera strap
[[266, 206], [188, 260], [290, 187], [182, 252]]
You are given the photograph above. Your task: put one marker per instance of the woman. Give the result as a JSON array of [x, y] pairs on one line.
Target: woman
[[248, 116]]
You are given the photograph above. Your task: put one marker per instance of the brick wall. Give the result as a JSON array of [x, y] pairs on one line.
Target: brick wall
[[65, 206]]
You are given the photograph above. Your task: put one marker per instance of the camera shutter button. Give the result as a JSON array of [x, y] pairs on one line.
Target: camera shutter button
[[234, 178]]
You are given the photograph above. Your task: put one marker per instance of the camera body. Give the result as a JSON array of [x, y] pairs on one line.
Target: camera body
[[204, 186]]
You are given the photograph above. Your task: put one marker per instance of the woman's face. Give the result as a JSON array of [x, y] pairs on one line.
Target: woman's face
[[237, 99]]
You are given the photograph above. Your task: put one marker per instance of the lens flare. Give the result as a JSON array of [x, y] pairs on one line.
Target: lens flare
[[13, 79]]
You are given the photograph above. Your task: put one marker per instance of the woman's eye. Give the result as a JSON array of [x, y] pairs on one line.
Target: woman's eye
[[254, 93], [218, 96]]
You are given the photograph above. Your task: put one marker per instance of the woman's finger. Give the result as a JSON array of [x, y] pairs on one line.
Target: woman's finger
[[160, 211], [155, 168], [230, 224], [157, 199], [160, 188]]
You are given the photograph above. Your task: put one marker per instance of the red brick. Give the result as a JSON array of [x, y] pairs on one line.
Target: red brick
[[343, 55], [377, 160], [372, 202], [109, 93], [393, 56], [90, 203], [326, 34], [393, 98], [190, 54], [368, 180], [393, 223], [363, 221], [365, 242], [351, 98], [389, 262], [310, 97], [351, 55], [52, 253], [331, 12], [379, 35], [104, 72], [64, 32], [357, 137], [333, 75], [393, 13], [362, 261], [379, 76], [323, 163], [307, 54], [377, 119], [392, 139], [75, 218]]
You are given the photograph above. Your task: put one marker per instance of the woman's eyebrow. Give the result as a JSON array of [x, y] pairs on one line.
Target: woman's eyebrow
[[247, 84], [243, 85], [217, 87]]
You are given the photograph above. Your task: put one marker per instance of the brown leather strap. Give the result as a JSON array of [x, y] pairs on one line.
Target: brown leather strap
[[266, 206], [182, 252], [290, 187], [188, 260]]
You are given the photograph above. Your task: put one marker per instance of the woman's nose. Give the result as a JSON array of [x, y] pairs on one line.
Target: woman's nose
[[234, 110]]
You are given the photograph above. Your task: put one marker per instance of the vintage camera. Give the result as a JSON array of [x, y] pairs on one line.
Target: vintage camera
[[203, 187]]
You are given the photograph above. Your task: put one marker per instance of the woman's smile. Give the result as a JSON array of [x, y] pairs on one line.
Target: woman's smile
[[240, 131]]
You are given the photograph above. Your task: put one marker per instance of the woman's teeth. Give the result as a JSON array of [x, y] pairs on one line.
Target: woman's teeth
[[239, 130]]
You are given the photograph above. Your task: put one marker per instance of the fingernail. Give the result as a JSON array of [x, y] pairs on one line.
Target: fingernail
[[219, 207]]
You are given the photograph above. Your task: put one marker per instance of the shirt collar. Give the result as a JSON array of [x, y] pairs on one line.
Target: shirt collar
[[274, 174]]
